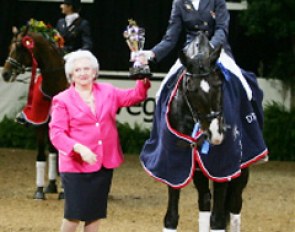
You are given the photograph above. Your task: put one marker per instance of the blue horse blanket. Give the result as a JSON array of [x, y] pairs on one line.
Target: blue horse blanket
[[168, 157]]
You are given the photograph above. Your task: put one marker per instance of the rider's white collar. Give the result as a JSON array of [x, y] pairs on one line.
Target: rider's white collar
[[196, 4], [70, 18]]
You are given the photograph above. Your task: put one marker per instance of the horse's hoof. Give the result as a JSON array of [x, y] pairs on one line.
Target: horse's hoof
[[39, 194], [52, 187], [61, 196]]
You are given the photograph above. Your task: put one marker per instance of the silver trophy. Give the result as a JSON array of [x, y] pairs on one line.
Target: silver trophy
[[135, 38]]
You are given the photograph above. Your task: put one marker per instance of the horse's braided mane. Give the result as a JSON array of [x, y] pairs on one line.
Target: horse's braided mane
[[46, 30]]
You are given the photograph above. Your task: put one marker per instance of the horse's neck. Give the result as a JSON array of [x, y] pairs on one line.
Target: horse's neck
[[51, 66], [48, 57]]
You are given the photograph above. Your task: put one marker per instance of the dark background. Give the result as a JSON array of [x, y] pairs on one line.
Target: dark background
[[109, 18]]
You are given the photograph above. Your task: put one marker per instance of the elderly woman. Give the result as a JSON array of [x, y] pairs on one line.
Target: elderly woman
[[83, 129]]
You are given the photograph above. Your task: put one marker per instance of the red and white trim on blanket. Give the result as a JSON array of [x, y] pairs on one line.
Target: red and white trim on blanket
[[36, 111], [257, 158], [195, 156], [178, 186]]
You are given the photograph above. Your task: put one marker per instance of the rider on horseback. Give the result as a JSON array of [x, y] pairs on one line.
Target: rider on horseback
[[74, 29], [76, 35], [191, 16]]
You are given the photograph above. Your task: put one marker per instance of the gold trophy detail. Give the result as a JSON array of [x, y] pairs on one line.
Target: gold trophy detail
[[135, 38]]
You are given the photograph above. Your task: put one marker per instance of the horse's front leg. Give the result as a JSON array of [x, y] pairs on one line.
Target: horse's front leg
[[234, 199], [52, 169], [219, 212], [172, 217], [40, 163], [202, 185]]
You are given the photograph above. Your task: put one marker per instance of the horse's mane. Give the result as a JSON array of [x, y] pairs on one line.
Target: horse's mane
[[46, 30]]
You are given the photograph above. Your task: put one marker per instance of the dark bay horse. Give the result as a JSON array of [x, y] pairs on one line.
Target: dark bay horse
[[191, 139], [37, 50], [200, 100]]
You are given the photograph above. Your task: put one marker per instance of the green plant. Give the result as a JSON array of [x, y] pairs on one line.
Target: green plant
[[279, 132], [132, 139], [14, 135]]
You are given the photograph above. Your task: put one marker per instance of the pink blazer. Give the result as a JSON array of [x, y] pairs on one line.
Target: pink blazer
[[73, 122]]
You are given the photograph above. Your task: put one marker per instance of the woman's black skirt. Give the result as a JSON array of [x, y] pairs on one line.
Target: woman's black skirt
[[86, 194]]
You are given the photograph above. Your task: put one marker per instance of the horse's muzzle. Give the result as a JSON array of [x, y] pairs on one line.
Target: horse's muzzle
[[216, 135], [6, 75]]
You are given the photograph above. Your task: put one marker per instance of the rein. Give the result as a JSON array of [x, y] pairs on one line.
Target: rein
[[194, 115]]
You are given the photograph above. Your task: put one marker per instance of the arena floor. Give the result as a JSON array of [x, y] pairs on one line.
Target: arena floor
[[138, 203]]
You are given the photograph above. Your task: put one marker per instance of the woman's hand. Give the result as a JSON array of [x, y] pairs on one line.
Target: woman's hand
[[143, 56], [146, 82], [86, 154]]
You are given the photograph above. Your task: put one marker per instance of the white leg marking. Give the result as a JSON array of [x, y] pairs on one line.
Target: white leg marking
[[52, 166], [235, 222], [169, 230], [204, 221], [40, 170]]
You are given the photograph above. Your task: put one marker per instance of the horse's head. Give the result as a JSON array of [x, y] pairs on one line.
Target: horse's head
[[202, 86], [18, 58]]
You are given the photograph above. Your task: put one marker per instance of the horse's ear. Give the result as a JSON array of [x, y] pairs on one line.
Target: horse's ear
[[14, 30], [214, 55]]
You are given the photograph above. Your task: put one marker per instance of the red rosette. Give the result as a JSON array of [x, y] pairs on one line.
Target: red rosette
[[28, 42]]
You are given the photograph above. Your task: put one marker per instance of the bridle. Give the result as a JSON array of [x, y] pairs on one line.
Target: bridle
[[197, 116], [17, 67]]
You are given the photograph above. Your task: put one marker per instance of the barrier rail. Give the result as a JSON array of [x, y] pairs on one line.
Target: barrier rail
[[13, 95], [117, 75]]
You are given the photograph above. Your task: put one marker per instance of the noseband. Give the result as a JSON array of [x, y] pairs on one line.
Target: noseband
[[17, 66]]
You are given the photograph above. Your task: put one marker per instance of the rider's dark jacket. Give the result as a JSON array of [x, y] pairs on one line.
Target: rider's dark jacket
[[76, 36], [212, 17]]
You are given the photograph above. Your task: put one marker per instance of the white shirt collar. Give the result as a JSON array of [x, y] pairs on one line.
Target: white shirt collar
[[70, 18], [196, 4]]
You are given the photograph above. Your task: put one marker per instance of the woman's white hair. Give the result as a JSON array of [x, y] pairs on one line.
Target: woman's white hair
[[72, 57]]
